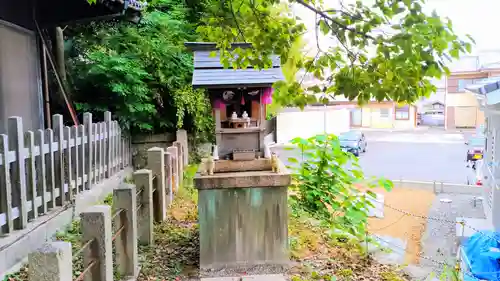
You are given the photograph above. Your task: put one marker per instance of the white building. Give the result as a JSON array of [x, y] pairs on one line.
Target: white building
[[487, 93]]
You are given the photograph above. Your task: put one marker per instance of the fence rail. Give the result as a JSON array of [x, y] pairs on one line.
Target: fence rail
[[45, 169], [127, 223]]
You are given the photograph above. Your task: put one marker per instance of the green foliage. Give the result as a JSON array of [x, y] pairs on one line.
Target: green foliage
[[325, 184], [140, 72], [386, 51]]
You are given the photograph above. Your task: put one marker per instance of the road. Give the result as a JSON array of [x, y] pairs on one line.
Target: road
[[411, 156]]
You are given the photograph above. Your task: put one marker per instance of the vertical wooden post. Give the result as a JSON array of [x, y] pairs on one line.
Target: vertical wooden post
[[81, 149], [107, 161], [5, 186], [51, 169], [16, 142], [75, 158], [40, 163], [29, 140], [68, 160], [87, 121], [95, 149], [57, 123]]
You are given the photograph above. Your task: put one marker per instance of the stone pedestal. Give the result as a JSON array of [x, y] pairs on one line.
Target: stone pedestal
[[243, 218]]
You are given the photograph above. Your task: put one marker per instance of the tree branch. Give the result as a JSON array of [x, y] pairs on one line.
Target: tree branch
[[334, 21]]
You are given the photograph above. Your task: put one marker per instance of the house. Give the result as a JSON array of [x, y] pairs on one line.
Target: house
[[462, 108], [23, 64], [381, 115]]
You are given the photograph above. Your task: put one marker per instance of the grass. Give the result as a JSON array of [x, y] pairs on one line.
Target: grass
[[321, 254]]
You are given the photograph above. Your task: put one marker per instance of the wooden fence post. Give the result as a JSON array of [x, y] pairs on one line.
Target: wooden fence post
[[87, 121], [69, 163], [57, 124], [51, 169], [5, 186], [83, 168], [125, 198], [107, 146], [96, 227], [29, 141], [16, 143], [172, 150], [156, 165], [41, 170], [51, 262], [143, 180]]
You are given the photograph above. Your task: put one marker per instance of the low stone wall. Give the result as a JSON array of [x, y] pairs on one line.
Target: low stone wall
[[141, 144]]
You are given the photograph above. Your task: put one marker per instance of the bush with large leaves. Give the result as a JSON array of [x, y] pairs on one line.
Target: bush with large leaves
[[140, 72]]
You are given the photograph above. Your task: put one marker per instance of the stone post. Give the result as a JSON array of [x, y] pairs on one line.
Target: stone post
[[144, 181], [125, 198], [51, 262], [96, 226], [180, 162], [156, 163], [168, 176], [182, 137], [172, 150]]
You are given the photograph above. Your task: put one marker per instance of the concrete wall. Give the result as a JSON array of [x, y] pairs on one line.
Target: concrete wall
[[141, 144], [243, 226], [20, 78], [292, 122]]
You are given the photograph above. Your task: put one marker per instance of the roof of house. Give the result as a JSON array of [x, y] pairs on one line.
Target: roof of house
[[210, 73]]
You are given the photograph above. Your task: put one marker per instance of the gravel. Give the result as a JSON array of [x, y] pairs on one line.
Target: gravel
[[439, 240]]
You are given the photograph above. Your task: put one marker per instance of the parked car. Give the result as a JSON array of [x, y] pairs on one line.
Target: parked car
[[475, 174], [475, 148], [353, 141]]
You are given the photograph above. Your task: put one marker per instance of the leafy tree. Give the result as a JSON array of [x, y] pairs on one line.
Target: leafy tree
[[325, 184], [140, 72], [386, 51]]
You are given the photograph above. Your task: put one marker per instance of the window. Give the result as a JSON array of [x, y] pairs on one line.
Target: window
[[384, 112], [402, 112]]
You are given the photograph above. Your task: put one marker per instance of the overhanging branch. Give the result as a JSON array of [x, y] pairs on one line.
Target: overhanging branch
[[334, 21]]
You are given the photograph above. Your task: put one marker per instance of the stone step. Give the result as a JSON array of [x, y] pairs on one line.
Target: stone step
[[266, 277]]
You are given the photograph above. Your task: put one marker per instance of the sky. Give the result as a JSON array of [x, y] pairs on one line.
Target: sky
[[478, 18]]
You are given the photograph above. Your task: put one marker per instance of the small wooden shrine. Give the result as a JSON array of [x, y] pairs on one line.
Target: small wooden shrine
[[239, 98]]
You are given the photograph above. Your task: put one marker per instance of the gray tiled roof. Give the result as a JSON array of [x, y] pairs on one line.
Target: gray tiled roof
[[209, 72]]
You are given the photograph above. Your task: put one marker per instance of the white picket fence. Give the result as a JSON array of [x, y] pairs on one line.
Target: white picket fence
[[42, 170]]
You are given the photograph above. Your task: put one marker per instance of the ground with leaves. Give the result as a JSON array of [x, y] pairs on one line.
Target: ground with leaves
[[317, 255]]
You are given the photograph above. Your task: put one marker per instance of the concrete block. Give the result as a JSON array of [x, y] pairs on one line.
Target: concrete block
[[51, 262], [156, 163], [144, 181], [125, 198], [96, 226], [175, 167], [182, 137]]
